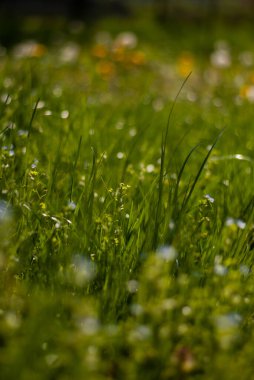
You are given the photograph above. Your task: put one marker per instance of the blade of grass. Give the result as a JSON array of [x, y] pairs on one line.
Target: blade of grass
[[74, 168], [175, 198], [32, 117], [162, 166], [186, 201]]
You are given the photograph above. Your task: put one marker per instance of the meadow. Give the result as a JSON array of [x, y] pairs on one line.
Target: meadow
[[126, 205]]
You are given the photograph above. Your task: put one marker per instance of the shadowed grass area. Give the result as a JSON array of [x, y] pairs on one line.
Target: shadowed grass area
[[126, 206]]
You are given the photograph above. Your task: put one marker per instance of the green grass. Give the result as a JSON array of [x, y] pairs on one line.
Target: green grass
[[126, 211]]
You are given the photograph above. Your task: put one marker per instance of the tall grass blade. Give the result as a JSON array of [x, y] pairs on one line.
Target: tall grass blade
[[162, 167], [186, 201], [74, 168], [30, 125]]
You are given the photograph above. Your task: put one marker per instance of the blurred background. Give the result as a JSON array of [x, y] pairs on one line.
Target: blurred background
[[88, 9], [14, 13]]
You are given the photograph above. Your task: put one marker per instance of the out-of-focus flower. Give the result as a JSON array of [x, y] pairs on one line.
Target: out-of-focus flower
[[83, 270], [209, 198], [64, 114], [99, 51], [221, 56], [235, 222], [119, 54], [247, 92], [220, 270], [138, 58], [105, 68], [120, 155], [70, 52], [127, 40], [29, 49], [185, 64], [246, 58], [167, 253]]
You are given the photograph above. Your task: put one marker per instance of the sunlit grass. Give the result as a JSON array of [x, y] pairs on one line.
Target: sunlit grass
[[126, 210]]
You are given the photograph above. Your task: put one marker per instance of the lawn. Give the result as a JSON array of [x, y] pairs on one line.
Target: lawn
[[126, 206]]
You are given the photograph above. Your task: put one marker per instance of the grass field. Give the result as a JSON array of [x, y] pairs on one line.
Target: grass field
[[126, 206]]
